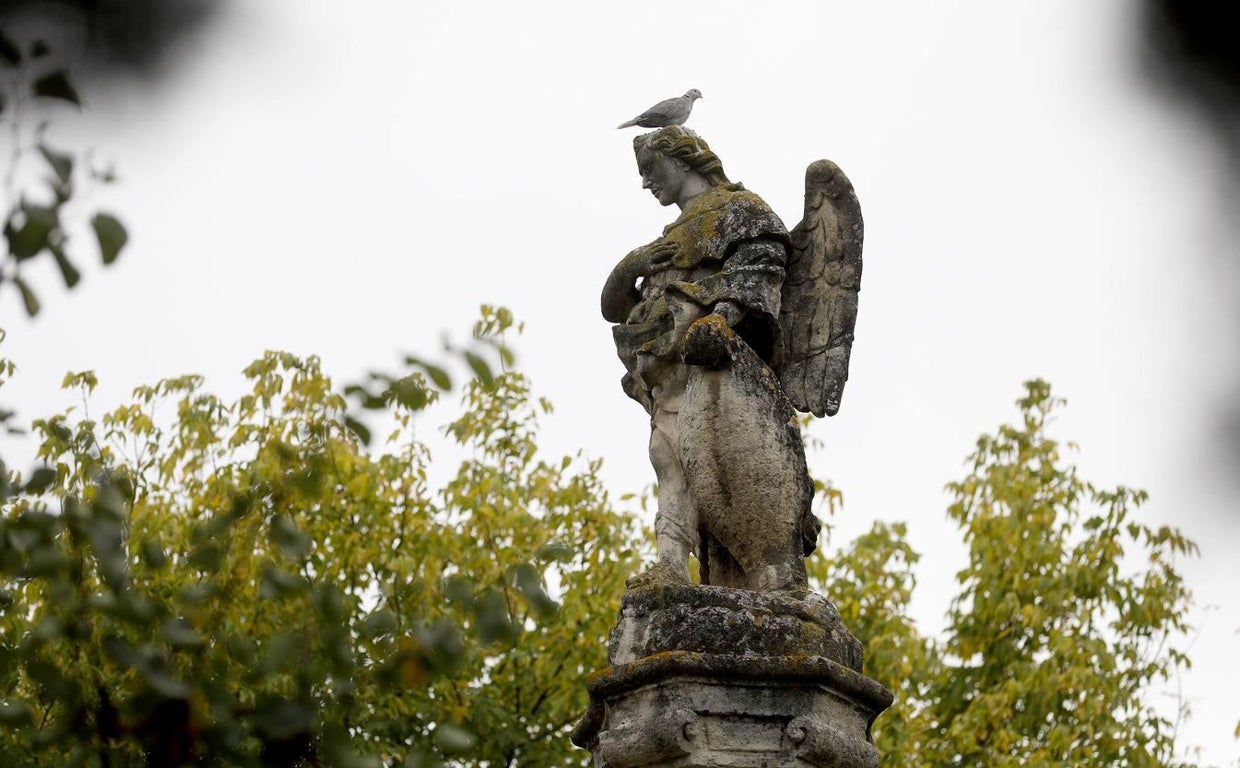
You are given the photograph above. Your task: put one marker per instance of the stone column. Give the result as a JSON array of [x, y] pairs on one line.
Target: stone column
[[708, 677]]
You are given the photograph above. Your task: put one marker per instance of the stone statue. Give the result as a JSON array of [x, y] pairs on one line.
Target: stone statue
[[725, 324]]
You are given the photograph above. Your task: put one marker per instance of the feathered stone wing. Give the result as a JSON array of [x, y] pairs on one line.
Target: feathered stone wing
[[818, 308]]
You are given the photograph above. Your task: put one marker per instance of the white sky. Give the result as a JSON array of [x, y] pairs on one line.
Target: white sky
[[351, 179]]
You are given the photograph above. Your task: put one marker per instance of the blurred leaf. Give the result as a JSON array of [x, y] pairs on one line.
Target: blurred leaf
[[291, 540], [61, 163], [136, 608], [308, 483], [111, 234], [49, 677], [105, 176], [9, 53], [330, 603], [336, 748], [556, 551], [15, 713], [278, 582], [441, 646], [358, 428], [200, 592], [38, 520], [529, 582], [380, 622], [68, 272], [410, 393], [28, 298], [56, 85], [454, 739], [38, 221], [165, 684], [207, 557], [111, 500], [506, 356], [40, 480], [280, 719], [336, 641], [242, 649], [437, 375], [104, 601], [480, 368], [120, 651], [491, 618], [418, 759], [458, 589], [153, 553], [45, 562], [180, 634]]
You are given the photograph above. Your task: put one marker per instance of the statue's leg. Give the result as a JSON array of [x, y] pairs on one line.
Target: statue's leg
[[676, 521]]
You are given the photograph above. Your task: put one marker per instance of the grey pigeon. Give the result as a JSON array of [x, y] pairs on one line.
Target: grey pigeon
[[667, 112]]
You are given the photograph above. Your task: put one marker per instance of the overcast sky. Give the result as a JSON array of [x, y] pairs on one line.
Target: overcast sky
[[351, 179]]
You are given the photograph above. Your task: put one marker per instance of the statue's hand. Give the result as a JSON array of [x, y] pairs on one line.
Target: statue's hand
[[650, 259]]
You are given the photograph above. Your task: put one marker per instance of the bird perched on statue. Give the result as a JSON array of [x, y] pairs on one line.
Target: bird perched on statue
[[667, 112]]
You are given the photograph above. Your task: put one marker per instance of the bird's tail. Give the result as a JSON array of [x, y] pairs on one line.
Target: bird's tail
[[626, 125]]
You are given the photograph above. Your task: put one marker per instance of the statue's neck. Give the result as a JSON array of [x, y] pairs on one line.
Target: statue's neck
[[695, 185]]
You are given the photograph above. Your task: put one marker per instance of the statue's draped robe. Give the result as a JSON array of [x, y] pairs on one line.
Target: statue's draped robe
[[725, 447]]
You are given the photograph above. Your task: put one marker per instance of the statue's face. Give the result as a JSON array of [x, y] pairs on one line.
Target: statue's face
[[663, 176]]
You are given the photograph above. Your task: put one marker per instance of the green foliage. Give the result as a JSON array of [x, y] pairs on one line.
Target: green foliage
[[247, 585], [1070, 613], [36, 224]]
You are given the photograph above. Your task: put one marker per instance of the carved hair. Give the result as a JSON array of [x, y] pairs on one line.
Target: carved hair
[[680, 143]]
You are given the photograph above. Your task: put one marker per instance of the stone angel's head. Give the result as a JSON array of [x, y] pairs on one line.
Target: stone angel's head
[[673, 156], [683, 145]]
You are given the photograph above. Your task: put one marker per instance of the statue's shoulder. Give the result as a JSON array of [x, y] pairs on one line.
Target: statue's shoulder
[[720, 218], [746, 215]]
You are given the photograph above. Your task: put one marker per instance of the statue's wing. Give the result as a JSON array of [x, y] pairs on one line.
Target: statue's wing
[[818, 308]]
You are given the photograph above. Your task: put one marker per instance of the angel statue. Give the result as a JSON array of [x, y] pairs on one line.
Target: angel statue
[[725, 324]]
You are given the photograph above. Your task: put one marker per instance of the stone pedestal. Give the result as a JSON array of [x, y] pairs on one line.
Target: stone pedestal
[[706, 677]]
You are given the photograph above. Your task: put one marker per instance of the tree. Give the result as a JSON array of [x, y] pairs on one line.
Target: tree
[[1053, 644], [245, 584]]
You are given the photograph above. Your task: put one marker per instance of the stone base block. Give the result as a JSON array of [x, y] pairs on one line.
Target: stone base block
[[697, 683], [736, 622]]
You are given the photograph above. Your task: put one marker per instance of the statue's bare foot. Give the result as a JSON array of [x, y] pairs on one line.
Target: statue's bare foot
[[661, 574]]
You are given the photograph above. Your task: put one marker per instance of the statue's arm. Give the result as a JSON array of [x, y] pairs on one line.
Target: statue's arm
[[760, 260], [620, 292]]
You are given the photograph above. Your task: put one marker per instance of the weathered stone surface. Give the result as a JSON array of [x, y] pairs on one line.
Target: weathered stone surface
[[690, 710], [737, 622], [706, 677], [744, 465]]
